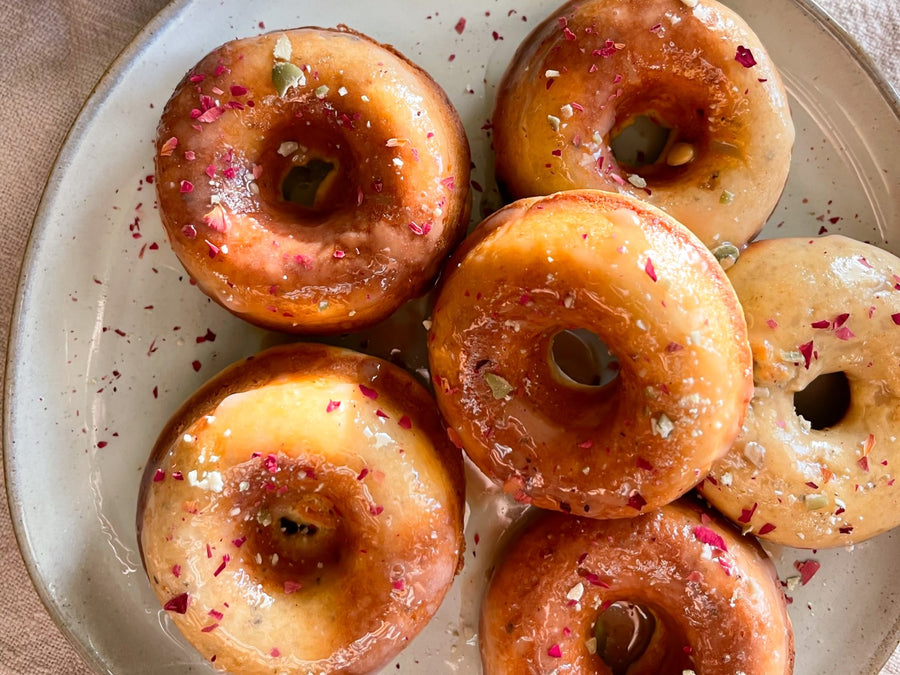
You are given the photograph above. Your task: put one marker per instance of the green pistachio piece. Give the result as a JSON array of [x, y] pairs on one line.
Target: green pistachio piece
[[727, 254], [286, 75], [500, 388]]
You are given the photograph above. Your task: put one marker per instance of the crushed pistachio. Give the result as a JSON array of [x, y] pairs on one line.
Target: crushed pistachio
[[286, 75], [554, 122], [264, 518], [726, 197], [591, 645], [500, 388], [637, 181], [815, 501], [322, 91], [727, 254], [792, 356]]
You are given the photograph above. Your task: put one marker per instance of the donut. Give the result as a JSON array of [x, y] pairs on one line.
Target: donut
[[672, 101], [814, 464], [311, 180], [651, 292], [302, 512], [672, 591]]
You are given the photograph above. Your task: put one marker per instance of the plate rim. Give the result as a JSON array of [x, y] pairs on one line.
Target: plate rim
[[40, 225]]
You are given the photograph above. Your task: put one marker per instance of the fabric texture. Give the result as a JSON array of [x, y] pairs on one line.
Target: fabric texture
[[54, 52]]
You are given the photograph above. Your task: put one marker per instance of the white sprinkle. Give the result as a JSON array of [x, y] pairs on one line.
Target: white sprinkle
[[554, 122], [551, 73], [662, 427], [236, 511], [566, 111], [364, 98], [342, 91], [243, 486], [288, 148], [210, 481], [576, 592], [637, 181], [187, 438], [283, 49], [397, 161]]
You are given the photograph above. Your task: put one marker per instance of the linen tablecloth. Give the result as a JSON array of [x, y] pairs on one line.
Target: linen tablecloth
[[52, 52]]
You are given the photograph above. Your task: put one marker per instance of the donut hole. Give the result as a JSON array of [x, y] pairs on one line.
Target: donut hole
[[580, 358], [640, 142], [623, 632], [303, 184], [632, 637], [825, 401], [664, 138], [306, 178]]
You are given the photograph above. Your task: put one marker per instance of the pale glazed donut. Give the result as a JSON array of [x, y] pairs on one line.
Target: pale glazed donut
[[711, 598], [380, 224], [593, 66], [813, 307], [302, 512], [653, 294]]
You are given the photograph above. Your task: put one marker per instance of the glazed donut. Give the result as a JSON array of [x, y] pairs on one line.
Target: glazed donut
[[311, 180], [672, 591], [651, 292], [711, 132], [302, 512], [829, 321]]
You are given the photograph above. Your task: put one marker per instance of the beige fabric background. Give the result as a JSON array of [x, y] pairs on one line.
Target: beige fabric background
[[52, 52]]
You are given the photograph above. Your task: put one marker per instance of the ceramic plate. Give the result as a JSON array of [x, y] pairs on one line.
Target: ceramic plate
[[109, 336]]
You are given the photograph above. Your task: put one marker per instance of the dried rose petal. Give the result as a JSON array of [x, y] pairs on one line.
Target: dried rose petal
[[405, 422], [806, 349], [896, 319], [271, 463], [368, 392], [747, 514], [648, 268], [168, 147], [159, 476], [708, 536], [460, 25], [766, 528], [332, 406], [178, 604], [292, 586], [555, 652], [807, 569], [636, 501], [744, 57]]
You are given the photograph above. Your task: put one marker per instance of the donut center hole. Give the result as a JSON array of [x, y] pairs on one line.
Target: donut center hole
[[640, 142], [623, 632], [825, 401], [303, 183], [580, 357], [291, 527]]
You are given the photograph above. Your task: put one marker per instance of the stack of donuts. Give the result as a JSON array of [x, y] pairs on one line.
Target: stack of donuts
[[303, 511]]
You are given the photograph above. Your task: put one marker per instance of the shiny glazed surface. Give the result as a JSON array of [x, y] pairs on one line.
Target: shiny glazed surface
[[581, 77], [833, 307], [394, 204], [305, 510], [652, 293], [718, 604]]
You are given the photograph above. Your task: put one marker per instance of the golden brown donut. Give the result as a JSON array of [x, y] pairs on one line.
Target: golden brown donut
[[303, 512], [817, 307], [594, 67], [311, 180], [656, 297], [672, 591]]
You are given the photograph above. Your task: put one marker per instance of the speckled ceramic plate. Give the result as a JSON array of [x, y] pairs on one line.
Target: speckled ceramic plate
[[109, 336]]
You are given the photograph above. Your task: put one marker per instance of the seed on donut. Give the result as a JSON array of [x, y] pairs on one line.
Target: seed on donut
[[680, 154]]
